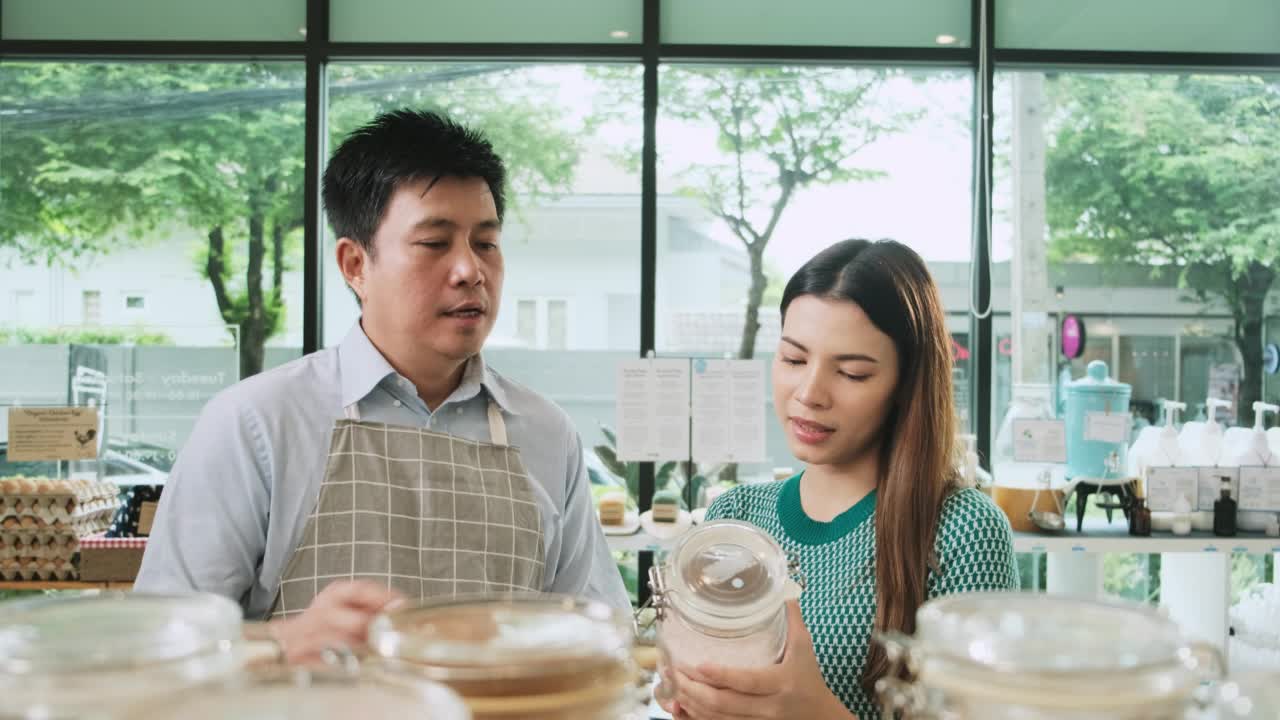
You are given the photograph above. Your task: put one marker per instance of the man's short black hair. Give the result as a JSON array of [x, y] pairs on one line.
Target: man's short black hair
[[399, 147]]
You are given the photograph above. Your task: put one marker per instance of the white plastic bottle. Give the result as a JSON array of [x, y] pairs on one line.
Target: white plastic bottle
[[1157, 446], [1248, 447], [1201, 442]]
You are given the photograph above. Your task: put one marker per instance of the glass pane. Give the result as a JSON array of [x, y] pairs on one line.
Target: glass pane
[[155, 20], [137, 198], [1145, 203], [826, 154], [906, 23], [527, 322], [1249, 26], [557, 325], [565, 21], [572, 229]]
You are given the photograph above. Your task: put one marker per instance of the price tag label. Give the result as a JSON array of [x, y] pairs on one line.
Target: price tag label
[[1039, 441], [1107, 427]]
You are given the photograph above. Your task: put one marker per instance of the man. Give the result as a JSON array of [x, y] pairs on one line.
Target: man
[[386, 468]]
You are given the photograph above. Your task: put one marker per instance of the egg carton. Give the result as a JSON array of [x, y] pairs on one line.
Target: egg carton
[[31, 569], [50, 511], [83, 491], [38, 546], [85, 524]]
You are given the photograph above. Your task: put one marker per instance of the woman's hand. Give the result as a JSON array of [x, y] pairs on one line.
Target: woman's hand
[[793, 688]]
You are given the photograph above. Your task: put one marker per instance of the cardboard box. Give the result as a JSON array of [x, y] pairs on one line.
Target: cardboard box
[[104, 559]]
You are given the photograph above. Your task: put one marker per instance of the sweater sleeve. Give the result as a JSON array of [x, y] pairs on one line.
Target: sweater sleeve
[[974, 547]]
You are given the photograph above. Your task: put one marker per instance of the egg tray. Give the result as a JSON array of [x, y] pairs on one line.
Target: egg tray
[[38, 546], [81, 491], [29, 569], [33, 512]]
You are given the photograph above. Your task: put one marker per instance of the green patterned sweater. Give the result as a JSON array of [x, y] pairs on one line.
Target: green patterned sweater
[[974, 547]]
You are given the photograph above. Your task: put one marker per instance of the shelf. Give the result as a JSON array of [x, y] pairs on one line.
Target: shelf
[[1098, 537], [640, 542], [63, 585], [1101, 537]]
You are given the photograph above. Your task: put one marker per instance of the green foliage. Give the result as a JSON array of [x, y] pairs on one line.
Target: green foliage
[[684, 477], [83, 336], [1177, 172], [98, 156]]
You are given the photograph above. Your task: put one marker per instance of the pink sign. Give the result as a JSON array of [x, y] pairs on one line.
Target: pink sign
[[1072, 337]]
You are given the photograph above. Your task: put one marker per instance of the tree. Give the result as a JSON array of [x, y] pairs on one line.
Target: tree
[[96, 155], [1181, 173], [779, 130]]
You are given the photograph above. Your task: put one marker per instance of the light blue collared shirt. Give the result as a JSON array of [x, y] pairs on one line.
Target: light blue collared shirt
[[239, 495]]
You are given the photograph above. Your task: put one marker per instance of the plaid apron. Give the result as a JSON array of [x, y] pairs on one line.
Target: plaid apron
[[424, 513]]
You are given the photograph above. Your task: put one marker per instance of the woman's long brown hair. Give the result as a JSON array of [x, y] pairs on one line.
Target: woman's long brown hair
[[892, 285]]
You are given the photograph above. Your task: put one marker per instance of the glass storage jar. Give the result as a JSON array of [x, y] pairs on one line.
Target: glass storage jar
[[721, 597], [1002, 656], [533, 657], [88, 657], [1255, 696], [344, 690]]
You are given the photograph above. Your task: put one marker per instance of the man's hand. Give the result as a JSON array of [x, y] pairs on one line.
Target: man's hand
[[338, 617]]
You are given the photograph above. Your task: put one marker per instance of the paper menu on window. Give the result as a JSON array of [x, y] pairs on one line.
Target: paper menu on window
[[52, 433], [1165, 485], [1210, 486], [1039, 441], [728, 411], [1260, 488], [653, 410]]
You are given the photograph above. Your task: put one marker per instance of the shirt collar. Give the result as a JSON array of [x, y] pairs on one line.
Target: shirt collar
[[363, 367]]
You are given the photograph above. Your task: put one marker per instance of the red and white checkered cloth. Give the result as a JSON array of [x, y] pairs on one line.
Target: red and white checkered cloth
[[101, 541]]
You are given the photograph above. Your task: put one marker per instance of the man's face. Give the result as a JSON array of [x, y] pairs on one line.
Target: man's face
[[434, 278]]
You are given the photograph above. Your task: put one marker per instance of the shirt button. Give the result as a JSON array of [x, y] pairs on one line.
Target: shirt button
[[396, 403]]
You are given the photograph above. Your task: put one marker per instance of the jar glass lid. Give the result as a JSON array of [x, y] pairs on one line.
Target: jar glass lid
[[1029, 633], [516, 635], [299, 694], [726, 572], [113, 631]]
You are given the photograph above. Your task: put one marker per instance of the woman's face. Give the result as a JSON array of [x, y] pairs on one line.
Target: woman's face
[[834, 377]]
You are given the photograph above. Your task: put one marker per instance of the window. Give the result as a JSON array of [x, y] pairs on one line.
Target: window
[[557, 325], [906, 23], [527, 322], [154, 20], [1247, 26], [571, 237], [174, 180], [580, 21], [24, 308], [91, 307], [870, 143], [1143, 203]]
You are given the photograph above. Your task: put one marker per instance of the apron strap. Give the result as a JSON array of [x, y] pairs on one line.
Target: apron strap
[[497, 426], [352, 411]]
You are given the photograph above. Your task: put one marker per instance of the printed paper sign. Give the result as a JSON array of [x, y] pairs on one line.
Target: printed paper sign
[[147, 517], [728, 411], [1165, 485], [1039, 441], [1211, 485], [653, 410], [1107, 427], [63, 433], [1260, 488]]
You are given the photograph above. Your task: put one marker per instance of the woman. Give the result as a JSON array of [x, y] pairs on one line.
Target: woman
[[878, 519]]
